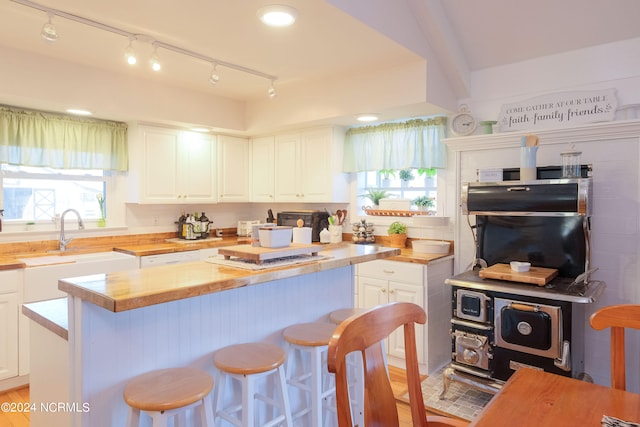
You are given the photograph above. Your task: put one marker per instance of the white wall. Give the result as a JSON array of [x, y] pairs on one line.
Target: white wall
[[616, 159]]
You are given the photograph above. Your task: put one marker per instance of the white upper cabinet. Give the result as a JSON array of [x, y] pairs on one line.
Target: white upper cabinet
[[262, 169], [308, 166], [233, 169], [172, 166]]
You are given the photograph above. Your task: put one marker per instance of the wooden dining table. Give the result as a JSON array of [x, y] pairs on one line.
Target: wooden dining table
[[537, 398]]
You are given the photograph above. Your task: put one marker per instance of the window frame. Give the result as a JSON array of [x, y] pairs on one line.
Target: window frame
[[75, 175]]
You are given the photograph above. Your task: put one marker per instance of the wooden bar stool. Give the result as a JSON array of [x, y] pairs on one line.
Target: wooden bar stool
[[312, 378], [167, 393], [247, 364], [339, 316]]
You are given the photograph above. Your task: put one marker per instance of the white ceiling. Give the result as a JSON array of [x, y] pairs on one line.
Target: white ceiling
[[324, 43]]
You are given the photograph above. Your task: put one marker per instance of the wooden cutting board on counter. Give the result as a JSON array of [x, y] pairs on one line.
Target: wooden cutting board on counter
[[260, 254], [536, 275]]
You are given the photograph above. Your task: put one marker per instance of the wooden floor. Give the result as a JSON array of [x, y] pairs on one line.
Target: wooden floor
[[20, 396], [16, 399]]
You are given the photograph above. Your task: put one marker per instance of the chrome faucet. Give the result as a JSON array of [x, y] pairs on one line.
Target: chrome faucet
[[64, 242]]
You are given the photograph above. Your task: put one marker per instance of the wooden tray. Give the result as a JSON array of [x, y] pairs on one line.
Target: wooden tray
[[536, 275], [259, 254], [390, 212]]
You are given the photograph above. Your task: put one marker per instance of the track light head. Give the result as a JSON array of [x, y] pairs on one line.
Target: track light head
[[130, 54], [49, 31], [272, 91], [155, 60], [214, 78]]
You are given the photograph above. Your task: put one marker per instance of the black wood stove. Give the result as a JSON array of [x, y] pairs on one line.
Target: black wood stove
[[498, 326]]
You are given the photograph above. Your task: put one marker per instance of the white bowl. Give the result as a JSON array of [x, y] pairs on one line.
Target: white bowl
[[275, 237], [430, 246], [520, 267]]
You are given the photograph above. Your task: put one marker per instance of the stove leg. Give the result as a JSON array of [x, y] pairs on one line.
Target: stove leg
[[447, 374]]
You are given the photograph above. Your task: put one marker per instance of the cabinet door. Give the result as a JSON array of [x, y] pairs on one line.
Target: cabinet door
[[8, 335], [233, 169], [288, 168], [404, 292], [171, 166], [197, 168], [371, 292], [262, 169], [159, 157], [315, 161]]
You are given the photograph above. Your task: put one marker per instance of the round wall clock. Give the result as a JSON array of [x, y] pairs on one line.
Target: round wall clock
[[463, 123]]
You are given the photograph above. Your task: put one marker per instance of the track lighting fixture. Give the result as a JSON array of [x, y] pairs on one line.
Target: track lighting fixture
[[49, 32], [155, 61], [272, 91], [130, 54], [214, 78]]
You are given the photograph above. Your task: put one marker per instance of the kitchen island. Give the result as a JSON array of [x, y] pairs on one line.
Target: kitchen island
[[129, 322]]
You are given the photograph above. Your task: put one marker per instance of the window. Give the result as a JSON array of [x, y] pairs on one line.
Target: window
[[38, 194], [417, 183]]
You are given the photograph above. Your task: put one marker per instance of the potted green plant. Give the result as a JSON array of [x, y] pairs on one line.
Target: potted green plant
[[397, 234], [423, 203], [386, 175], [406, 174], [375, 195]]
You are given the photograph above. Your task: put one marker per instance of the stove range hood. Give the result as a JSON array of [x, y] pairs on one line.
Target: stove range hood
[[551, 197]]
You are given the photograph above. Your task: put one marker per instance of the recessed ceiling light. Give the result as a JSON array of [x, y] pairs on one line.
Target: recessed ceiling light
[[368, 117], [200, 129], [79, 112], [277, 15]]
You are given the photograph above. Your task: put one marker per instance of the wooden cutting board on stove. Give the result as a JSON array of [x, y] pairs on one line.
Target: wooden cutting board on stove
[[536, 275]]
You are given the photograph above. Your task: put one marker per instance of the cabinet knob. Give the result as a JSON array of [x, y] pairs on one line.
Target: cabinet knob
[[383, 290], [391, 291]]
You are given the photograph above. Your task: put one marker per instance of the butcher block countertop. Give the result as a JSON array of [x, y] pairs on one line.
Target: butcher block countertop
[[51, 314], [128, 290]]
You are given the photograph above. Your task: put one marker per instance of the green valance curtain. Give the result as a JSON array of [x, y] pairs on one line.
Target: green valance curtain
[[36, 138], [412, 144]]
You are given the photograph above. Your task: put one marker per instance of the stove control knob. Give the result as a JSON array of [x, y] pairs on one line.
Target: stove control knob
[[470, 356]]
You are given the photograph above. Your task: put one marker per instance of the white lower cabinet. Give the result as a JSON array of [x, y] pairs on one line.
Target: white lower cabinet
[[382, 281], [9, 323]]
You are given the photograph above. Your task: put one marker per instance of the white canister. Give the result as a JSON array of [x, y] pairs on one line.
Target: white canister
[[302, 235], [335, 233]]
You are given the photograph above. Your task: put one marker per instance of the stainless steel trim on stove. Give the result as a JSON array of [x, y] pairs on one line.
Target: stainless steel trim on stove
[[469, 377], [524, 329], [554, 290], [467, 324], [468, 312]]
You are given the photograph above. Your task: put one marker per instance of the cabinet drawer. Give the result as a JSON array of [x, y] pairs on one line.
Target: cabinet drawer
[[8, 281], [405, 272]]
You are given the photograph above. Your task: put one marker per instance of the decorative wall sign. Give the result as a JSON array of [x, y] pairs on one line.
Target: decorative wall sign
[[556, 110]]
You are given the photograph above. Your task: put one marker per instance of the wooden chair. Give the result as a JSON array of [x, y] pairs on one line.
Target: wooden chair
[[363, 333], [617, 317]]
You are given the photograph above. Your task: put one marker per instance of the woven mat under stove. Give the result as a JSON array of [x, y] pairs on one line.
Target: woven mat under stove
[[270, 263], [461, 400]]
